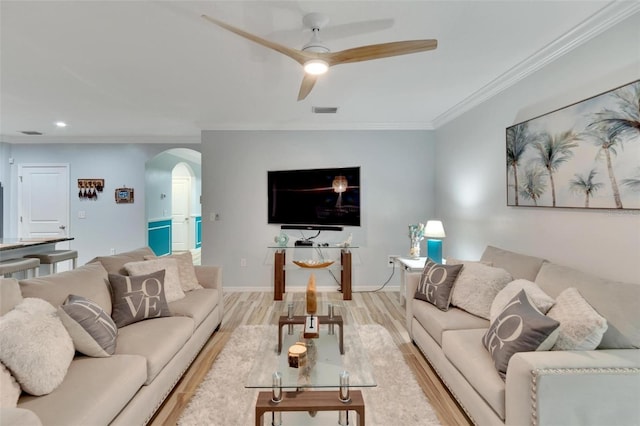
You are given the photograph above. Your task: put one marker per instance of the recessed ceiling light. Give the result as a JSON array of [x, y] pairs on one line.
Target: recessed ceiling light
[[61, 124]]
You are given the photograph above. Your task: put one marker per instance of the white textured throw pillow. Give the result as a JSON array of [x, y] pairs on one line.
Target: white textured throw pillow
[[477, 286], [539, 298], [172, 288], [581, 327], [186, 270], [9, 388], [35, 346]]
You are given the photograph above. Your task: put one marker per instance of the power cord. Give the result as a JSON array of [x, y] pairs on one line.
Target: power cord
[[393, 271]]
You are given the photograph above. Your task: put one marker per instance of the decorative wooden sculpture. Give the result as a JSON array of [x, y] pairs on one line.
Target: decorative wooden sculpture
[[312, 299], [311, 324]]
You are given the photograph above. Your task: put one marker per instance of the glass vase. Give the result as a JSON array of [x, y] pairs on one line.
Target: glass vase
[[414, 250]]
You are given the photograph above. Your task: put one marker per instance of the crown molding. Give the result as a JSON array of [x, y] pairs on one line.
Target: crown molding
[[599, 22]]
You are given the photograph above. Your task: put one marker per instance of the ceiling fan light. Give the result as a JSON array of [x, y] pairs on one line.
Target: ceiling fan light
[[316, 67]]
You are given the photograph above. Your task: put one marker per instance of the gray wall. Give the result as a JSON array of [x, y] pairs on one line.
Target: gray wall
[[397, 180], [107, 225], [471, 168]]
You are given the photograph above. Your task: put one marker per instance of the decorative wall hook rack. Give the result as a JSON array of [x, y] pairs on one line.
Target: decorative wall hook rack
[[89, 188]]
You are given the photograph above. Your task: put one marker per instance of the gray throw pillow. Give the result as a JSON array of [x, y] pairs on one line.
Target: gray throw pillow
[[92, 330], [436, 284], [520, 327], [540, 299], [138, 298]]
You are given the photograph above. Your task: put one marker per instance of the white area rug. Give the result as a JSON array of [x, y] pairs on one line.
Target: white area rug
[[222, 399]]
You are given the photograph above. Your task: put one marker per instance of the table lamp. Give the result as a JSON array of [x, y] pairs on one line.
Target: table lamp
[[434, 232]]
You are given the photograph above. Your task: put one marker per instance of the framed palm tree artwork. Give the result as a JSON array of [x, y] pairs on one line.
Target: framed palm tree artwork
[[585, 155]]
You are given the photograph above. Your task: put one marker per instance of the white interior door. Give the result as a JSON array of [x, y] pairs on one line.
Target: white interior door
[[43, 200], [180, 213]]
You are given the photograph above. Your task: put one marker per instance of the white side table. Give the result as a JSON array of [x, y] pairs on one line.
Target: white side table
[[408, 265]]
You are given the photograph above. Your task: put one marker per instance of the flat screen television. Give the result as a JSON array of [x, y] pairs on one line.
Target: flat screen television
[[315, 196]]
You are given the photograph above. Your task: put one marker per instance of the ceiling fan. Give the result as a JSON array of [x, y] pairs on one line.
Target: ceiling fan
[[316, 58]]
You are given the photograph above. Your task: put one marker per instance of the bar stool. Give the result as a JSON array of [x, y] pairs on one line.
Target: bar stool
[[52, 258], [11, 266]]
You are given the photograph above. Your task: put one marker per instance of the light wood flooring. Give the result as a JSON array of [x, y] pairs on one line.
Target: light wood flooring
[[259, 308]]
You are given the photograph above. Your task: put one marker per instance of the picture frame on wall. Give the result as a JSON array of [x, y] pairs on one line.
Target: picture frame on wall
[[585, 155], [124, 195]]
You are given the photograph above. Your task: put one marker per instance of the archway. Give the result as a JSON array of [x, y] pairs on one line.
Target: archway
[[159, 200]]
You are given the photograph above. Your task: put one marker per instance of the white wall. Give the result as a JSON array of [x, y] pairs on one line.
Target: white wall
[[397, 189], [107, 225], [471, 168]]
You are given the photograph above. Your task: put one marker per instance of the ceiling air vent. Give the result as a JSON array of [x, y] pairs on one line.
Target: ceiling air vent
[[324, 110], [31, 133]]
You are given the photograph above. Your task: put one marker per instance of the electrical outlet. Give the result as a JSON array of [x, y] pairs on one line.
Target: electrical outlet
[[243, 262], [391, 260]]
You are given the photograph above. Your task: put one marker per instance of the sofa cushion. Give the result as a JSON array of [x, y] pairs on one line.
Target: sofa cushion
[[436, 284], [520, 327], [114, 264], [581, 327], [92, 330], [35, 346], [19, 416], [9, 388], [93, 392], [157, 340], [477, 286], [90, 281], [138, 298], [197, 304], [186, 269], [435, 321], [615, 301], [172, 288], [10, 294], [540, 299], [464, 349], [518, 265]]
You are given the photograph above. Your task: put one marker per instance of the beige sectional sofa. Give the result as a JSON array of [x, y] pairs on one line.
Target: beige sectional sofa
[[150, 357], [591, 387]]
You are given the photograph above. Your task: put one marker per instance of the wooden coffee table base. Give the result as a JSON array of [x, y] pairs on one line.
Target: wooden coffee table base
[[311, 400]]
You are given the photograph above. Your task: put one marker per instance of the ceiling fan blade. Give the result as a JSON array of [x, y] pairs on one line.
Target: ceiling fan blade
[[378, 51], [296, 55], [308, 81]]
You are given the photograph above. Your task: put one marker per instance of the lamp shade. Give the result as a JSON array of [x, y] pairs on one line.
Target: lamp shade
[[434, 229]]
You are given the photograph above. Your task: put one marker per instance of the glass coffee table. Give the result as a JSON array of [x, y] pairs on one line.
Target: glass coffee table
[[324, 378]]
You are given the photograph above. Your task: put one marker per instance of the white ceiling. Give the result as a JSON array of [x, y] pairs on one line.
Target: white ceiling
[[133, 71]]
